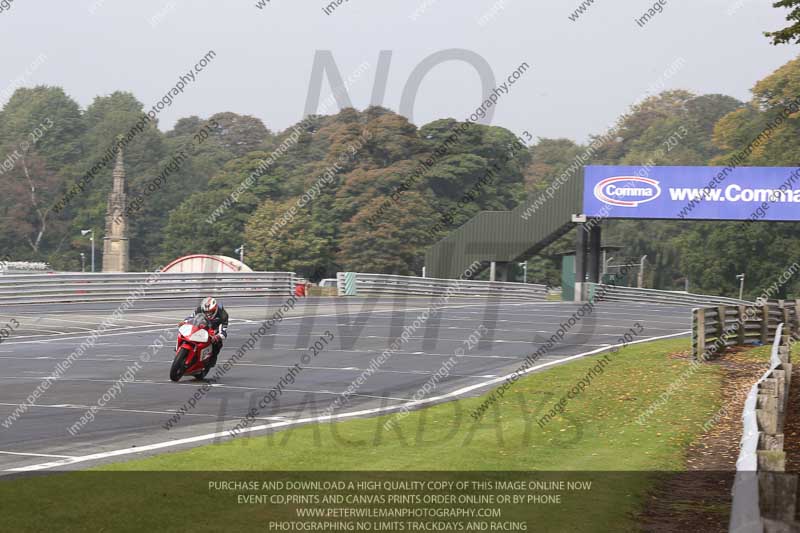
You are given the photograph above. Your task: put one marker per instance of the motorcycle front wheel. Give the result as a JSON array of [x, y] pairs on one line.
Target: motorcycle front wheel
[[203, 374], [178, 365]]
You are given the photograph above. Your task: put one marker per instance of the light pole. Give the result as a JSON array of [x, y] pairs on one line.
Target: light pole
[[740, 277], [605, 265], [90, 232], [83, 262], [524, 266], [241, 253], [641, 272]]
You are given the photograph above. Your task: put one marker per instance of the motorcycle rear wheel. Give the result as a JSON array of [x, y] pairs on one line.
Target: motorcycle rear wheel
[[178, 365]]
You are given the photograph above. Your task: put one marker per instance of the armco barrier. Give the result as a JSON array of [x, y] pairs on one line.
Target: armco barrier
[[33, 288], [360, 284], [764, 496], [614, 293], [716, 328]]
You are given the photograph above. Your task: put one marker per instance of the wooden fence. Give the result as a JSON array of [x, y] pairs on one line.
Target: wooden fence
[[718, 327]]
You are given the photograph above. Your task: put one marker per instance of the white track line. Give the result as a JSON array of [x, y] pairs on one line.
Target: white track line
[[352, 414], [111, 359], [188, 383], [39, 455], [39, 339], [136, 411]]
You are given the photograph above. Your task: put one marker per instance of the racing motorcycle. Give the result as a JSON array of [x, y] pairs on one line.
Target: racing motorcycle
[[193, 350]]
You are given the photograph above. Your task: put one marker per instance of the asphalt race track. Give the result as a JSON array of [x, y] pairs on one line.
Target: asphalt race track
[[133, 424]]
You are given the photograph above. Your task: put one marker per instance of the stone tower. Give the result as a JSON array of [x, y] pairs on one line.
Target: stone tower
[[116, 255]]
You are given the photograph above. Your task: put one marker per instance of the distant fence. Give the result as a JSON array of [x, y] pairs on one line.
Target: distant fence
[[716, 328], [614, 293], [764, 496], [22, 267], [33, 288], [361, 284]]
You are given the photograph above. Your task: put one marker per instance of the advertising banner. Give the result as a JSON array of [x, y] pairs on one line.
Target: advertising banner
[[692, 193]]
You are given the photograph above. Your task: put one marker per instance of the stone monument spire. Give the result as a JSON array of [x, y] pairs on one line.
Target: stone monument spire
[[116, 255]]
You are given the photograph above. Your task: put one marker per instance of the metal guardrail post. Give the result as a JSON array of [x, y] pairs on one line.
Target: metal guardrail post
[[787, 323], [742, 331], [721, 335], [699, 331], [797, 316]]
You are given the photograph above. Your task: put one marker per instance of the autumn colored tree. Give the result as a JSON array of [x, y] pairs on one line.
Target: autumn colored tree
[[395, 244]]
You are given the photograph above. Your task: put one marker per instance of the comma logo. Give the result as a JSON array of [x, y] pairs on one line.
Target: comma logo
[[627, 191]]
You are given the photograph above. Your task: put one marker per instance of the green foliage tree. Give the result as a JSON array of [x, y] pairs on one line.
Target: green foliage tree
[[349, 167], [239, 134], [763, 250], [792, 32], [188, 232], [40, 132], [294, 246], [393, 245]]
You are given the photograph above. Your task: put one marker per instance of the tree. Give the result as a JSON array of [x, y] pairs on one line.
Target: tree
[[792, 32], [394, 245], [105, 120], [40, 132], [282, 237], [549, 158], [713, 253], [240, 134], [33, 187], [188, 232]]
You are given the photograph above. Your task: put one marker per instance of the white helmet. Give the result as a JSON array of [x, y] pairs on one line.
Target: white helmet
[[209, 307]]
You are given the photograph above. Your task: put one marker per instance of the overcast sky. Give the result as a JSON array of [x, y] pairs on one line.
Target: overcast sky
[[584, 73]]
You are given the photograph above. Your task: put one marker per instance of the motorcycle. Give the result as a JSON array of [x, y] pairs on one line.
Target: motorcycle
[[193, 350]]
